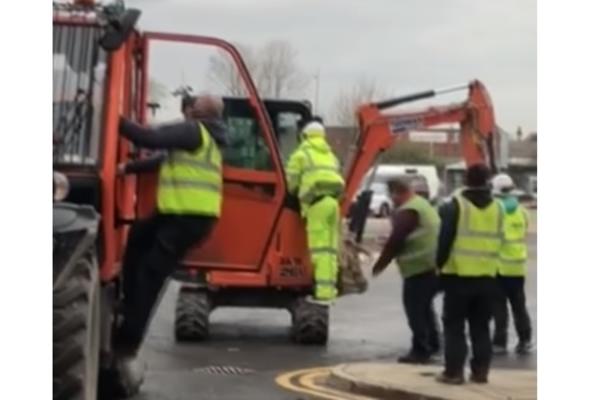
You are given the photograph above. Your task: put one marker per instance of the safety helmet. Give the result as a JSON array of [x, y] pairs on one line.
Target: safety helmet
[[502, 184], [313, 129]]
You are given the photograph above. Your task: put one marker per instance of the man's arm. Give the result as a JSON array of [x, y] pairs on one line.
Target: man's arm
[[148, 164], [404, 223], [181, 135], [293, 171], [449, 221]]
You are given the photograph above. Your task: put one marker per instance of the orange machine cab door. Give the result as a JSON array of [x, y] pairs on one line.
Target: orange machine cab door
[[254, 180]]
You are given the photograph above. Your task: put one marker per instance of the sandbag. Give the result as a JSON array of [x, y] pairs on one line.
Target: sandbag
[[351, 279]]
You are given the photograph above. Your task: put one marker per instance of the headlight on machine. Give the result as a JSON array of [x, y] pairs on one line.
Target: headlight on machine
[[60, 186]]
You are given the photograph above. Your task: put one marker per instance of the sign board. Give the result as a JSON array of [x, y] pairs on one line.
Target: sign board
[[428, 137]]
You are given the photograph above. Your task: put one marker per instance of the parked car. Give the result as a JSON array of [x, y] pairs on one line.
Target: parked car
[[381, 201]]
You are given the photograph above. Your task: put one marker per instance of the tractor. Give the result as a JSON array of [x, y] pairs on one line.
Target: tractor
[[257, 255]]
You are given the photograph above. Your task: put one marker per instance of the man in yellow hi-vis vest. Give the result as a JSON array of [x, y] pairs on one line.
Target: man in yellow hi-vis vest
[[469, 245], [313, 174], [189, 200], [513, 267]]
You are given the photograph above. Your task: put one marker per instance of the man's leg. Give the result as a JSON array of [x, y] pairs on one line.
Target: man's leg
[[455, 312], [517, 299], [141, 237], [500, 312], [480, 307], [415, 305], [322, 223], [431, 319], [174, 237]]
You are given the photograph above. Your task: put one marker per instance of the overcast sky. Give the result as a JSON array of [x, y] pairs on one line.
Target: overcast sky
[[405, 45]]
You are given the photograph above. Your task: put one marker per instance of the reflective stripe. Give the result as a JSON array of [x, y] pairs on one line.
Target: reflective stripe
[[413, 255], [324, 168], [322, 282], [180, 183], [465, 229], [514, 261], [476, 253], [181, 159], [476, 234], [330, 250], [514, 241]]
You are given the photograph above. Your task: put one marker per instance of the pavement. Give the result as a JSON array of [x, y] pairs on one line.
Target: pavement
[[401, 381], [250, 355]]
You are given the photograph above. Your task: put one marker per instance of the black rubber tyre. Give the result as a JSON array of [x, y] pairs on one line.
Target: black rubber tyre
[[310, 323], [192, 314], [76, 333]]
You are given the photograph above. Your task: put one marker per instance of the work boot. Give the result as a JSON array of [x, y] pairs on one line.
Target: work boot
[[524, 348], [477, 377], [123, 378], [498, 350], [415, 358], [450, 380]]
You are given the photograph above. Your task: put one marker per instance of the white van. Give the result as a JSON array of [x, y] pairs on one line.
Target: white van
[[424, 175]]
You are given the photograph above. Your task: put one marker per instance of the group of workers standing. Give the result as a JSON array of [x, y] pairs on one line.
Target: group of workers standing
[[474, 239], [474, 250]]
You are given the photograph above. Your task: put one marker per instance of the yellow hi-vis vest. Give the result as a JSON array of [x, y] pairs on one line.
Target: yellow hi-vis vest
[[190, 182], [476, 248], [321, 175], [513, 254]]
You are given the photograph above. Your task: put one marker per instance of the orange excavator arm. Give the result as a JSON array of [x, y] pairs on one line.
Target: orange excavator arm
[[379, 129]]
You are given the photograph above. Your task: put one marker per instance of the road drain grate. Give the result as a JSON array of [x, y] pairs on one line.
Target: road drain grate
[[223, 370]]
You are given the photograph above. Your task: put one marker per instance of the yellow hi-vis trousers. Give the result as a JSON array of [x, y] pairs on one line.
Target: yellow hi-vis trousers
[[322, 227]]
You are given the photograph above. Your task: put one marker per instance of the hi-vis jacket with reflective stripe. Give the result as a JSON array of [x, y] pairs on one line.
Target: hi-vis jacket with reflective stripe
[[476, 248], [418, 254], [190, 183], [314, 171], [513, 255]]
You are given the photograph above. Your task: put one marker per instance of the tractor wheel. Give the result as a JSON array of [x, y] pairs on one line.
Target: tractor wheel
[[192, 315], [310, 323], [76, 333]]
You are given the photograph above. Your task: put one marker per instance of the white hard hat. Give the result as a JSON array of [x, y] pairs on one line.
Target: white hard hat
[[502, 184], [314, 129]]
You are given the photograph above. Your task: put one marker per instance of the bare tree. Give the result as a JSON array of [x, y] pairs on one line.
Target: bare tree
[[223, 71], [347, 100], [273, 68], [278, 73]]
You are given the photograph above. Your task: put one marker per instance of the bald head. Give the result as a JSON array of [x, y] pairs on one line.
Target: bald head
[[205, 106]]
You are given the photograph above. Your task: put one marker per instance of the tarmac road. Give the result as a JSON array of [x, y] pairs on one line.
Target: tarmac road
[[249, 348]]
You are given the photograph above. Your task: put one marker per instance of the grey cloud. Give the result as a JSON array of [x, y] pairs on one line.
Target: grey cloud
[[403, 45]]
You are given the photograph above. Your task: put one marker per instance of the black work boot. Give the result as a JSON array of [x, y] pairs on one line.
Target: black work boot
[[524, 348], [479, 377], [450, 379], [123, 379], [415, 358], [499, 350]]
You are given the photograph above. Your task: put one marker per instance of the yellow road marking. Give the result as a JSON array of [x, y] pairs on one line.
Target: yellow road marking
[[308, 380], [307, 385]]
